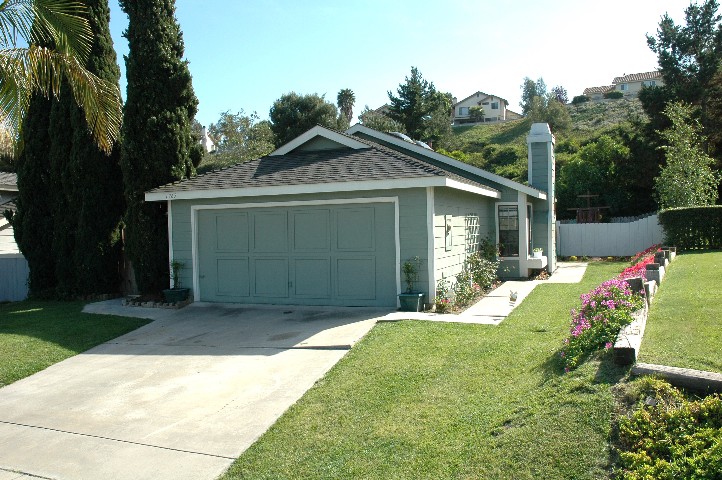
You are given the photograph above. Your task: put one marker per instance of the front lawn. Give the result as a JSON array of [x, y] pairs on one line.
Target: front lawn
[[438, 400], [35, 335], [685, 320]]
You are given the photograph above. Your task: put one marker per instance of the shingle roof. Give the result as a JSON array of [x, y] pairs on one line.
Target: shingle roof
[[7, 178], [317, 167], [593, 90], [638, 77]]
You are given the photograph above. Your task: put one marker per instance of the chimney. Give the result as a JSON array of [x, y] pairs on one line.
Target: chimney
[[540, 158]]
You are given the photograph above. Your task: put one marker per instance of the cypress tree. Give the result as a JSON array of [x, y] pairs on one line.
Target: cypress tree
[[158, 146], [33, 222], [96, 190]]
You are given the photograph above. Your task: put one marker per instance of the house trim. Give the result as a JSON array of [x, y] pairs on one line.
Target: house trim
[[358, 128], [170, 240], [294, 203], [430, 210], [319, 131], [437, 181]]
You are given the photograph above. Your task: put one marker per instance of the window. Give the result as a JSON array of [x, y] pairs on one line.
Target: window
[[485, 103], [463, 111], [509, 230], [649, 83], [494, 106], [623, 86]]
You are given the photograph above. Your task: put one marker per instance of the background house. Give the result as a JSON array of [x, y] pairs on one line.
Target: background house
[[494, 107], [330, 217], [629, 85]]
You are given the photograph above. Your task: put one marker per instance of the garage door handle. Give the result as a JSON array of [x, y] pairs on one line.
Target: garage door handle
[[201, 276]]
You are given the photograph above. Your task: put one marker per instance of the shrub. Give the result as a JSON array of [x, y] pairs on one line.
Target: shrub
[[693, 227], [442, 301], [670, 437], [464, 290], [614, 95], [580, 99], [604, 311]]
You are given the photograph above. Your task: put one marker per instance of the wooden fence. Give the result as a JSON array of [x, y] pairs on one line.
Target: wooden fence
[[608, 239], [13, 277]]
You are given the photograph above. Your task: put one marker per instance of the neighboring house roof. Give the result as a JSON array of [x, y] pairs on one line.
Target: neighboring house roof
[[485, 95], [353, 164], [596, 90], [9, 205], [452, 162], [638, 77], [8, 181]]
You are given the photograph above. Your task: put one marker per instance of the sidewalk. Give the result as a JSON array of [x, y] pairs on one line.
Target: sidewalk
[[495, 307]]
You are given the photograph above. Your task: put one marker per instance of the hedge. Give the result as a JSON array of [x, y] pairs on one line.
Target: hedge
[[693, 227]]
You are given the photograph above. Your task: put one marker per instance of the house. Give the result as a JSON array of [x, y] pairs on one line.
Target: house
[[495, 108], [629, 85], [13, 266], [330, 217]]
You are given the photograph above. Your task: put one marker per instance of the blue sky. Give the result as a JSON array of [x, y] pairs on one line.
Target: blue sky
[[245, 54]]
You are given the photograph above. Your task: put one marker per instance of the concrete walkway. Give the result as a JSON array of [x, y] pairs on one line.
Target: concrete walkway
[[495, 307]]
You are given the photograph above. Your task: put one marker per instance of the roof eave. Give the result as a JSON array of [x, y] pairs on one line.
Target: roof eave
[[435, 181]]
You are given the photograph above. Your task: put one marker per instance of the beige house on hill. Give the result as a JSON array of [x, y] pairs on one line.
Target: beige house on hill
[[629, 85], [495, 108]]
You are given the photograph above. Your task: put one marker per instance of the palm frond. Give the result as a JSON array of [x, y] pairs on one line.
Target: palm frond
[[24, 71]]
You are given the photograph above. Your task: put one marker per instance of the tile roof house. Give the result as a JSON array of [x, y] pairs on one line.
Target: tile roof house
[[330, 218], [495, 108], [629, 85]]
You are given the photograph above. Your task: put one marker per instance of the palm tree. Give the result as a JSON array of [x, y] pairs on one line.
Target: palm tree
[[42, 43], [345, 101]]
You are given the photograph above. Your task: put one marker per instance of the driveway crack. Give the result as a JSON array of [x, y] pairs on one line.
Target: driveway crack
[[115, 440]]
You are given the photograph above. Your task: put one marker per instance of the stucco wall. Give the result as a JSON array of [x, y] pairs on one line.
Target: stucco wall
[[412, 222], [488, 112]]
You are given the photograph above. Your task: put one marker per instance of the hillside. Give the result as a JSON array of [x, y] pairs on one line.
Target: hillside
[[501, 147]]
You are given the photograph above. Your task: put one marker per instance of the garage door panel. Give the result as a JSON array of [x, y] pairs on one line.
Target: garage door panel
[[355, 229], [270, 232], [356, 278], [270, 277], [312, 278], [232, 232], [232, 277], [311, 231]]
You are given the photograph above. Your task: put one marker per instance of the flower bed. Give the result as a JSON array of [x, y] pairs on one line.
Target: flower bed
[[604, 311], [639, 263]]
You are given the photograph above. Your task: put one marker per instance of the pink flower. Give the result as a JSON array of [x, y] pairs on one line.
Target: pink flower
[[608, 345]]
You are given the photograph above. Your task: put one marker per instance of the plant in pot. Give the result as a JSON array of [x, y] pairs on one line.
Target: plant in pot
[[410, 300], [177, 293], [537, 253]]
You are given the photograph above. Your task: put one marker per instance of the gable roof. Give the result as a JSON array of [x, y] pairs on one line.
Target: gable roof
[[293, 171], [487, 95], [638, 77], [451, 162], [593, 90]]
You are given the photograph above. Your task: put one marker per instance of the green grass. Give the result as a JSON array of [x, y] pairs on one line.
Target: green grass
[[438, 400], [35, 335], [685, 320]]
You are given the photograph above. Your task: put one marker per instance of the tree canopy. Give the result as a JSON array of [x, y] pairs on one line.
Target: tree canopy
[[687, 180], [424, 112], [293, 114], [238, 138], [345, 101]]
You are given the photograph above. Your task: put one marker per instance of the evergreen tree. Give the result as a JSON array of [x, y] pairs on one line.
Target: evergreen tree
[[33, 222], [158, 146], [293, 114], [96, 188]]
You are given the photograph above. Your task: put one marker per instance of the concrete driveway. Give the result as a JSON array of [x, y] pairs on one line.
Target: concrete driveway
[[180, 398]]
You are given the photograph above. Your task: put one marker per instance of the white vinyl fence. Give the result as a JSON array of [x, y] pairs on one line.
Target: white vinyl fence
[[13, 277], [608, 239]]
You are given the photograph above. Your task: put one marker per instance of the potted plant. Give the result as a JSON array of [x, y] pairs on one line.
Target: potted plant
[[537, 253], [410, 300], [177, 293]]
